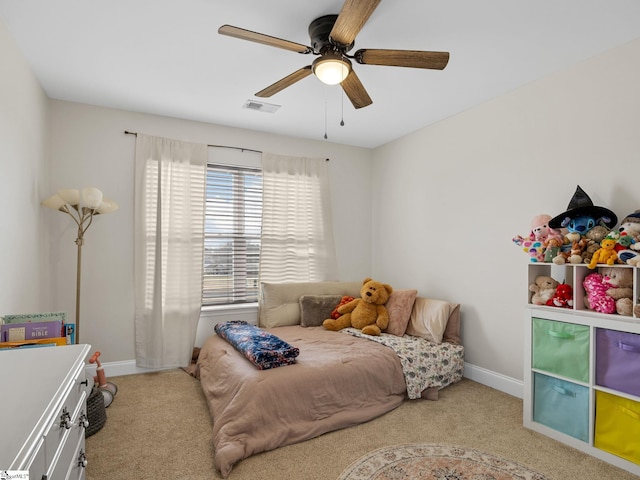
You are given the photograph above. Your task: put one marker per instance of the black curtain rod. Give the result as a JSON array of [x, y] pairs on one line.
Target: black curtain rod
[[216, 146]]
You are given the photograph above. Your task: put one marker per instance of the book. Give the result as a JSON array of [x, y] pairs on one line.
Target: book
[[19, 332], [69, 331], [35, 317], [42, 342]]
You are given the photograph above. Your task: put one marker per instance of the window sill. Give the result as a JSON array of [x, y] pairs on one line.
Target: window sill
[[225, 310]]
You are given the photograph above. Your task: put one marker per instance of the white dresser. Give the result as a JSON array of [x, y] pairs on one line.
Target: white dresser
[[43, 411]]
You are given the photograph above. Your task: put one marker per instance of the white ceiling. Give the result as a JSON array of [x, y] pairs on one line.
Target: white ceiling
[[165, 57]]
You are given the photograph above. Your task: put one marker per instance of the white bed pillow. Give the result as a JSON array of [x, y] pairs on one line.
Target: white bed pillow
[[280, 302], [429, 319]]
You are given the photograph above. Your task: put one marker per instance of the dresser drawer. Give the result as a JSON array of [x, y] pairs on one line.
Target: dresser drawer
[[37, 465], [617, 428], [618, 360], [68, 413], [67, 455], [561, 348], [561, 405]]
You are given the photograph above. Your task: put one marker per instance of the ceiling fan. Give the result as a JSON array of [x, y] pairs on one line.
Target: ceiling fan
[[332, 36]]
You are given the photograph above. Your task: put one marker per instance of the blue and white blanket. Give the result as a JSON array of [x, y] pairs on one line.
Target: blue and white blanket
[[261, 348]]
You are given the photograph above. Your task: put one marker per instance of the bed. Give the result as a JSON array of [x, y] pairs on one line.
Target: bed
[[339, 379]]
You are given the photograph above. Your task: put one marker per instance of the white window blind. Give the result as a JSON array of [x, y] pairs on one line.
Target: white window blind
[[232, 235]]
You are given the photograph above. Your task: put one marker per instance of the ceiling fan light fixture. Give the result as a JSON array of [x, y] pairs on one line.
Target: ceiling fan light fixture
[[331, 69]]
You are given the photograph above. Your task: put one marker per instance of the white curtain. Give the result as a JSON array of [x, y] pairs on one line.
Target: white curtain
[[169, 237], [297, 242]]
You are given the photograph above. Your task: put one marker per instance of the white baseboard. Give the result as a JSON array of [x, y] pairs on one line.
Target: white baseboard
[[125, 367], [495, 380], [481, 375]]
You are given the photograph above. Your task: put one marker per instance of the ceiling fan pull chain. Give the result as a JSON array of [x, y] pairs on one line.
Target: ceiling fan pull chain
[[325, 117], [342, 105]]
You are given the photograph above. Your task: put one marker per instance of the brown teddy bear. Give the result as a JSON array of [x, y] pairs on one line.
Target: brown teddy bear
[[367, 313], [543, 289], [621, 288]]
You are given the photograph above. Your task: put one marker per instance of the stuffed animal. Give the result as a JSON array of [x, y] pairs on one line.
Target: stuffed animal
[[593, 238], [629, 231], [605, 254], [575, 255], [596, 286], [540, 238], [563, 297], [580, 218], [343, 301], [582, 215], [620, 282], [543, 289], [367, 313]]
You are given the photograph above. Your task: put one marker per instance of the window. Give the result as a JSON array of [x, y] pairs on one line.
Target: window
[[232, 235]]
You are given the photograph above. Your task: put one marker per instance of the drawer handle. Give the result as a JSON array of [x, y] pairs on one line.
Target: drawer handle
[[85, 382], [564, 391], [82, 460], [65, 419], [628, 348], [83, 421], [631, 413], [555, 334]]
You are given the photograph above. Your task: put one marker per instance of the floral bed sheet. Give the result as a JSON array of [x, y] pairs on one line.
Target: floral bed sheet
[[424, 364]]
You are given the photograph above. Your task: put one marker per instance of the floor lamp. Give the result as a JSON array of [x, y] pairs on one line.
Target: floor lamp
[[81, 206]]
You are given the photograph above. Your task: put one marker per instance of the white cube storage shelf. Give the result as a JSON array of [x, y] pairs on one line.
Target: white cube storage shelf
[[582, 372]]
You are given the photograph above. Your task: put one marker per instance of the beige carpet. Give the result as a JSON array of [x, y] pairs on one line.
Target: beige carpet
[[158, 427]]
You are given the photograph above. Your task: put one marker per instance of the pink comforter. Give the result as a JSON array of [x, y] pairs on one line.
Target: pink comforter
[[338, 381]]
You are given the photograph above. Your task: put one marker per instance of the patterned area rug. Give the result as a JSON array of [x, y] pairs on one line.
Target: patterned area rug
[[435, 462]]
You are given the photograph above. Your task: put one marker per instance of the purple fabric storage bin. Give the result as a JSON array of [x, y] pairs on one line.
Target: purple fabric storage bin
[[618, 360]]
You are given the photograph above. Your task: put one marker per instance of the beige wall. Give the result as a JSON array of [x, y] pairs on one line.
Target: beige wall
[[24, 238], [449, 198]]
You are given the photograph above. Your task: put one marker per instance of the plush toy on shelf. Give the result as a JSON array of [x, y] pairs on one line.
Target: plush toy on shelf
[[620, 281], [541, 239], [629, 231], [574, 255], [596, 286], [605, 254], [582, 215], [563, 297], [543, 289], [582, 219]]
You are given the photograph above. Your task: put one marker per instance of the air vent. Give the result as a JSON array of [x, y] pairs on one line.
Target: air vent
[[261, 106]]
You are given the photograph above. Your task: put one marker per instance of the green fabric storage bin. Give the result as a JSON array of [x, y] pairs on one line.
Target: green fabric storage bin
[[561, 348], [561, 405]]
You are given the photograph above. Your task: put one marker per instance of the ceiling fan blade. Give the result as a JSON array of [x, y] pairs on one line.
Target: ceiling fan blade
[[352, 17], [243, 34], [285, 82], [356, 91], [403, 58]]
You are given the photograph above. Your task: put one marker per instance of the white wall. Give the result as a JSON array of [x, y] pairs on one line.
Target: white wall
[[24, 276], [89, 148], [449, 198]]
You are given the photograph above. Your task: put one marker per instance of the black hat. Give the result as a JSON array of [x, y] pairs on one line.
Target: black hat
[[581, 205]]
